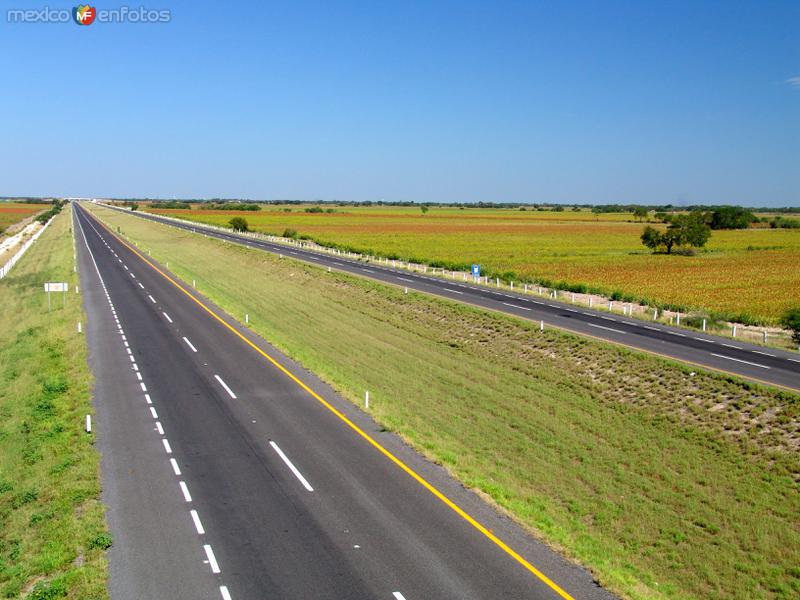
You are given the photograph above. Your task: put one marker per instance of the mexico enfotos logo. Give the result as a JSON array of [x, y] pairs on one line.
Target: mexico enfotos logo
[[85, 14]]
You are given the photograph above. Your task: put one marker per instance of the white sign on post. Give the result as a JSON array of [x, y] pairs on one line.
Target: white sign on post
[[51, 286], [56, 287]]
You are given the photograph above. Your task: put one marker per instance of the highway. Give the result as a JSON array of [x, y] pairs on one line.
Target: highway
[[756, 363], [228, 471]]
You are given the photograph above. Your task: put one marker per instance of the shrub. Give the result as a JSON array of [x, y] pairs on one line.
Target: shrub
[[102, 541], [290, 233], [791, 320], [239, 224]]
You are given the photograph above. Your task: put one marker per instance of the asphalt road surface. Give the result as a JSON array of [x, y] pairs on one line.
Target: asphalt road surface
[[230, 472], [750, 361]]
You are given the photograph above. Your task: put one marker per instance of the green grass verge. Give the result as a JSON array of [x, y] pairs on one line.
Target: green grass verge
[[665, 482], [53, 533]]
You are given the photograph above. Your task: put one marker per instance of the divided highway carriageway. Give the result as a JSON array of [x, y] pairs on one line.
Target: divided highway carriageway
[[756, 363], [230, 472]]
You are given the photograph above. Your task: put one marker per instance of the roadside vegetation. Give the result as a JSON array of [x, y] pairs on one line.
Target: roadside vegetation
[[52, 526], [665, 481], [744, 275]]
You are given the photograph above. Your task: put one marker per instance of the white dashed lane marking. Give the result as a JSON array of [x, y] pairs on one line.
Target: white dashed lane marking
[[292, 468], [747, 362], [212, 560], [224, 385]]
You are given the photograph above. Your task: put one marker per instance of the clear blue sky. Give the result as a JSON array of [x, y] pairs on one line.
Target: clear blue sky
[[592, 102]]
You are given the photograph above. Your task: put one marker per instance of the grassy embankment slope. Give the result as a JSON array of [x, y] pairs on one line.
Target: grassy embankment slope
[[52, 525], [750, 274], [667, 484]]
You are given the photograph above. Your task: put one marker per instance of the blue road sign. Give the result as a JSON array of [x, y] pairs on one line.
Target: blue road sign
[[476, 270]]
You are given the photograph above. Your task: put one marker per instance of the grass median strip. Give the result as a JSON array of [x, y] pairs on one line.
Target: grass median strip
[[666, 482], [53, 534]]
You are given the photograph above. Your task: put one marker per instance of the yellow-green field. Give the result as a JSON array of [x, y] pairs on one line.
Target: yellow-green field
[[750, 275], [13, 212]]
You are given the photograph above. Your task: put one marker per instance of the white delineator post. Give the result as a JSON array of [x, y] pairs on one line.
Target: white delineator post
[[246, 318], [79, 327], [88, 423], [541, 325], [678, 319], [704, 324], [734, 331], [765, 336], [366, 399]]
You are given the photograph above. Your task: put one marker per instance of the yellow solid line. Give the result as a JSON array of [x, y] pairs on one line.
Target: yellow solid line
[[457, 509]]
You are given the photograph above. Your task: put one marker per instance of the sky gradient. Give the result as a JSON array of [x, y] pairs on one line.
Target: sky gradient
[[596, 102]]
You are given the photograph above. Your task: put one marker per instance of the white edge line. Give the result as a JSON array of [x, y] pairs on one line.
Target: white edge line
[[188, 343], [226, 595]]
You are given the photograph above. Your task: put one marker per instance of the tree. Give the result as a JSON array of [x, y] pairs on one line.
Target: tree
[[651, 237], [424, 208], [683, 230], [791, 320], [640, 212], [239, 224], [692, 229]]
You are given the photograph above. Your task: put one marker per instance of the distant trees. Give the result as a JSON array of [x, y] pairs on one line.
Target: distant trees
[[231, 206], [683, 230], [424, 208], [172, 204], [731, 217], [314, 209], [640, 212], [54, 210], [239, 224], [781, 223]]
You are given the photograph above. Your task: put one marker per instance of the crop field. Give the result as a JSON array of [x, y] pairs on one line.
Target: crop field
[[13, 212], [667, 483], [749, 275]]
